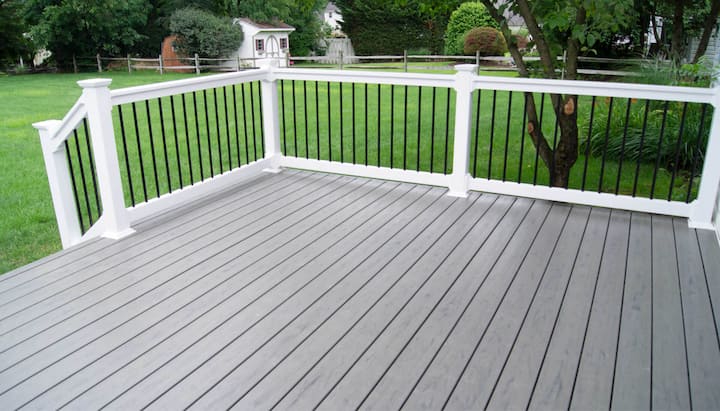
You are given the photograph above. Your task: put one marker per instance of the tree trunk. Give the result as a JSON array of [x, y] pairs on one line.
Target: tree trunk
[[677, 42], [708, 27]]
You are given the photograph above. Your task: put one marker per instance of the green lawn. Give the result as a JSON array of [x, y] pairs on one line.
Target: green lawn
[[27, 227], [198, 138]]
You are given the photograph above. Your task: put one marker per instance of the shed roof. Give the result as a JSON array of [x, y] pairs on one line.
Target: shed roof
[[276, 26]]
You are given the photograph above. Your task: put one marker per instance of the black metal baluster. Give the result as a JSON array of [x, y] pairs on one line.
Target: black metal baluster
[[82, 176], [589, 143], [140, 159], [432, 131], [659, 150], [207, 130], [254, 127], [187, 139], [476, 147], [329, 116], [317, 120], [405, 127], [245, 123], [227, 128], [76, 196], [197, 136], [507, 135], [522, 136], [294, 110], [342, 143], [447, 130], [537, 152], [605, 145], [91, 159], [127, 159], [366, 123], [237, 128], [419, 124], [379, 124], [307, 145], [697, 149], [152, 148], [492, 134], [352, 116], [640, 149], [622, 147], [164, 144], [177, 143], [677, 150], [284, 115], [217, 130], [392, 124]]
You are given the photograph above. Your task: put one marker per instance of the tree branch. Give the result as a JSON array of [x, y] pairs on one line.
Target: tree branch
[[546, 56], [708, 27]]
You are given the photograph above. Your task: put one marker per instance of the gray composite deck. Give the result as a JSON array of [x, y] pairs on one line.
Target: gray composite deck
[[302, 290]]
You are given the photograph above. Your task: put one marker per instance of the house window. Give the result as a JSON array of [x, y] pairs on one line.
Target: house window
[[260, 45], [283, 43]]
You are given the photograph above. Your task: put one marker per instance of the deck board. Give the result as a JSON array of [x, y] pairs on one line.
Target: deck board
[[300, 290]]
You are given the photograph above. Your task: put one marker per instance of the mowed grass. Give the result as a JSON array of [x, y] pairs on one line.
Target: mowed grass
[[197, 135], [28, 230]]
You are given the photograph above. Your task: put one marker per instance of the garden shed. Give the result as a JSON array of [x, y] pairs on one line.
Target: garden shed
[[264, 41]]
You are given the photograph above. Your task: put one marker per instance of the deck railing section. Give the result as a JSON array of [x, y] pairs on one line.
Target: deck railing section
[[640, 147]]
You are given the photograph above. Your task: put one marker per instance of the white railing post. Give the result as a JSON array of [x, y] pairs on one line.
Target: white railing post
[[271, 118], [701, 213], [60, 182], [461, 147], [96, 96]]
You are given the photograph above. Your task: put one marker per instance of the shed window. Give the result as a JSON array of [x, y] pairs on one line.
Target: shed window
[[259, 44], [283, 43]]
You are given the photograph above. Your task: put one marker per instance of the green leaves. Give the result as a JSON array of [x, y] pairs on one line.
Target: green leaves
[[204, 33]]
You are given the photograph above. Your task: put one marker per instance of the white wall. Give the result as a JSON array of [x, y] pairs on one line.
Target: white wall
[[247, 48]]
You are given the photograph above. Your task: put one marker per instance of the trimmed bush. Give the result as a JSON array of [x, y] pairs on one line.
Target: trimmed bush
[[462, 20], [201, 32], [486, 40]]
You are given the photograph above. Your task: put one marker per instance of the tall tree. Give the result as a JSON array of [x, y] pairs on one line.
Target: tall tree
[[555, 26], [86, 27], [14, 42]]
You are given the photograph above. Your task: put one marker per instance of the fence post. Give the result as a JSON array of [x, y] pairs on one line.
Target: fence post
[[405, 60], [341, 59], [458, 184], [96, 96], [197, 64], [477, 61], [99, 62], [60, 182], [701, 212], [129, 64], [237, 61], [160, 63], [271, 118]]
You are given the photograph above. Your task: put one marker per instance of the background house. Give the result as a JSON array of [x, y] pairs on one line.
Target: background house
[[333, 18], [263, 42]]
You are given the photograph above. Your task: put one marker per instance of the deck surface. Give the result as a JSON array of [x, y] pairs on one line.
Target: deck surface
[[303, 290]]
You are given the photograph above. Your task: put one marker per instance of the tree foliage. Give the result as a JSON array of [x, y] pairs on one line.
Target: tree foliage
[[204, 33], [468, 16], [387, 27], [14, 43], [487, 41], [86, 27]]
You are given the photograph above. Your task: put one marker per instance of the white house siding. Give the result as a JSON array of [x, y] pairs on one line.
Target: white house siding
[[271, 38]]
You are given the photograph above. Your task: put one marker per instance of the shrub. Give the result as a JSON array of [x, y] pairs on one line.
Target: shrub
[[462, 20], [486, 40], [204, 33], [669, 154]]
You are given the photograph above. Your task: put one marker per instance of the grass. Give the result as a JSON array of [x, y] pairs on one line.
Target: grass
[[190, 145], [28, 230]]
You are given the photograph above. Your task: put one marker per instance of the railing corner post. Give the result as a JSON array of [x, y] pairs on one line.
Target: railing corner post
[[60, 182], [702, 209], [271, 118], [96, 97], [460, 178]]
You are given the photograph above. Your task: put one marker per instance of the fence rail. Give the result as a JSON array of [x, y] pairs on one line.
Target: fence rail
[[638, 147]]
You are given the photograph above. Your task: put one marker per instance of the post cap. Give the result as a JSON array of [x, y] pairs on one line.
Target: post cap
[[470, 68], [47, 125], [94, 83]]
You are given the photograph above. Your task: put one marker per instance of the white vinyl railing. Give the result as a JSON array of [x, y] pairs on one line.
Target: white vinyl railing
[[97, 102]]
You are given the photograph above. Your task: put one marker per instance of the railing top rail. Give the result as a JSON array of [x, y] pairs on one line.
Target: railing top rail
[[597, 88], [373, 77], [169, 88]]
